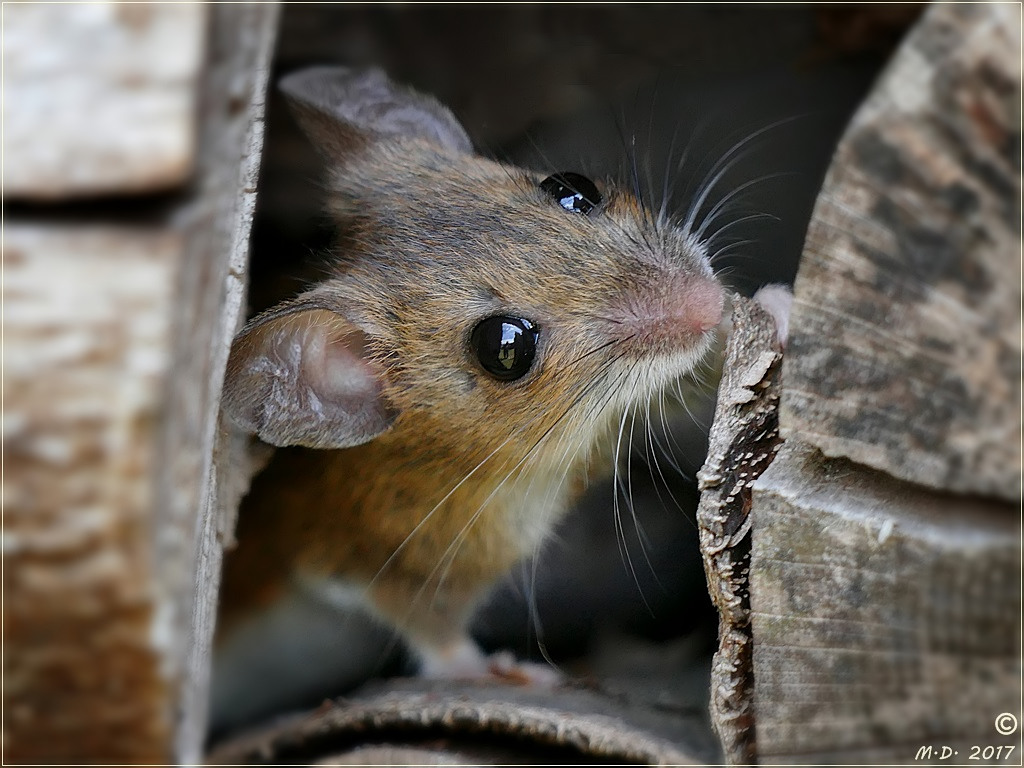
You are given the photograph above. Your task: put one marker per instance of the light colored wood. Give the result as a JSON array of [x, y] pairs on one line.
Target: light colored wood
[[115, 342], [885, 618], [905, 350], [99, 98], [87, 340]]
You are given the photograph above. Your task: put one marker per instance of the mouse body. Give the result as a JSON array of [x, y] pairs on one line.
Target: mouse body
[[443, 393]]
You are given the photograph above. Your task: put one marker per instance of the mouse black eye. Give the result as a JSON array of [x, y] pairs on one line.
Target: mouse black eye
[[572, 191], [505, 346]]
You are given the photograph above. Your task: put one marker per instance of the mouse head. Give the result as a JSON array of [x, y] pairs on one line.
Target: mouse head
[[471, 302]]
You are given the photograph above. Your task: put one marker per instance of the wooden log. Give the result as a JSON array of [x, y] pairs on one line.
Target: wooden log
[[885, 618], [99, 98], [905, 353], [885, 563], [116, 337], [84, 640], [207, 469], [518, 726]]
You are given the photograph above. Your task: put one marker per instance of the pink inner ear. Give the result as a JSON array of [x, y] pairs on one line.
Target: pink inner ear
[[342, 384], [335, 363], [306, 378]]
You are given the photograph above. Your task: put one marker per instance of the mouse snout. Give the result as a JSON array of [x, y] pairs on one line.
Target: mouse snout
[[695, 302], [670, 314]]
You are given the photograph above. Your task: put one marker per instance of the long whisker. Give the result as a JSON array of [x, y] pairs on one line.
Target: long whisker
[[641, 537], [655, 447], [514, 435], [735, 222], [629, 148], [588, 419], [448, 557], [733, 193], [731, 247], [699, 128], [721, 167], [616, 510]]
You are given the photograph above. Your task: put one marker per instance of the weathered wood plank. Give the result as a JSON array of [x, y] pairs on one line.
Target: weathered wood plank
[[116, 339], [885, 601], [85, 641], [512, 725], [884, 617], [209, 467], [742, 442], [906, 343], [99, 98]]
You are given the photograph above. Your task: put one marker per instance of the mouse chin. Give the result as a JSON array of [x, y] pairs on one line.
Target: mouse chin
[[654, 372]]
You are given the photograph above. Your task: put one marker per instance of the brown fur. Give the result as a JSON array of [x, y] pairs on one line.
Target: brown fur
[[431, 241]]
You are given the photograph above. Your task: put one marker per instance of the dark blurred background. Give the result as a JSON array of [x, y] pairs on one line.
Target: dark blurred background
[[603, 89]]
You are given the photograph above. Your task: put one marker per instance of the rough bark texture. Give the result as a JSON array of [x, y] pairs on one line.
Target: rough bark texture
[[99, 98], [492, 724], [203, 462], [116, 337], [742, 444], [906, 344]]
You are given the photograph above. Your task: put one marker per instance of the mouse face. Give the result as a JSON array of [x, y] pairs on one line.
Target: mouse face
[[474, 310], [510, 307]]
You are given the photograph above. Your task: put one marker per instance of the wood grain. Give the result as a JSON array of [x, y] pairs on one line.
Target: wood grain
[[99, 98], [116, 337], [84, 640], [905, 353], [885, 564], [885, 617], [209, 468]]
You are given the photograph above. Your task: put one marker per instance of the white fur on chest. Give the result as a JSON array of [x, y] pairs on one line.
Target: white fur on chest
[[535, 507], [338, 593]]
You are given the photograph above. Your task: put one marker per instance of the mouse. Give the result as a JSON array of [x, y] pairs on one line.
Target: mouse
[[440, 396]]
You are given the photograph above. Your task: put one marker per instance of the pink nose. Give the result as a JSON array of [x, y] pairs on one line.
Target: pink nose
[[701, 303], [670, 313]]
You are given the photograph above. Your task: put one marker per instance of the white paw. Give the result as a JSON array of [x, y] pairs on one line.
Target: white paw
[[777, 300], [465, 661], [461, 660]]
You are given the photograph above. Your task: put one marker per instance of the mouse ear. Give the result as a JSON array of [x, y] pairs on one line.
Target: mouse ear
[[303, 376], [340, 108]]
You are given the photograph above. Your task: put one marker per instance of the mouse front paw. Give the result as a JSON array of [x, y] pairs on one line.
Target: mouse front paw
[[505, 666], [464, 660], [461, 660]]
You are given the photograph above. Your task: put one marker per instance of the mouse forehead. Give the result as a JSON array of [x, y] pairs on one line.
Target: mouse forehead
[[485, 231], [440, 240]]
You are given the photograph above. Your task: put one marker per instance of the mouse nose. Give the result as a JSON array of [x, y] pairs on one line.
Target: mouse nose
[[670, 313], [702, 303], [695, 303]]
